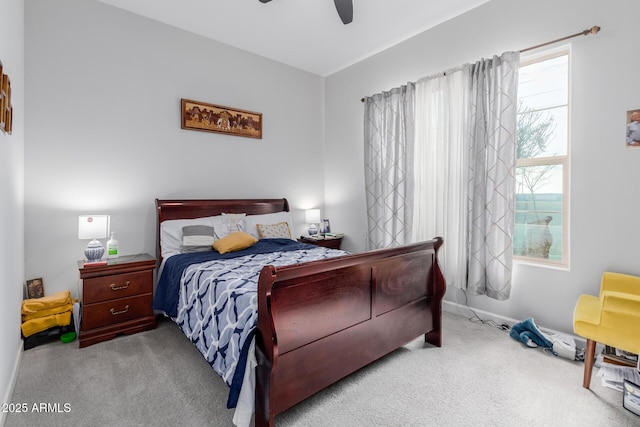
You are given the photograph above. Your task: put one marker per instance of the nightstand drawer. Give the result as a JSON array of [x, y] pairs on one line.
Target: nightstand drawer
[[332, 243], [116, 311], [117, 286]]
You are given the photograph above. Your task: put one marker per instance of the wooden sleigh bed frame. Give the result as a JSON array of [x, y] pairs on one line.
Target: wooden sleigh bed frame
[[320, 321]]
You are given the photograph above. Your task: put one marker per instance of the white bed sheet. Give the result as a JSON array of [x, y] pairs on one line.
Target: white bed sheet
[[247, 398]]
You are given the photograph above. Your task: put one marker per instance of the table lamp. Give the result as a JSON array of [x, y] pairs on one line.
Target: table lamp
[[93, 227], [312, 217]]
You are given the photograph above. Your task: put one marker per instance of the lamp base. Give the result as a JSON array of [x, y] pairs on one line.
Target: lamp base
[[313, 230], [94, 251]]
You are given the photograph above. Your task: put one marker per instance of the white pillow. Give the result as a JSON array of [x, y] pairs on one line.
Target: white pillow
[[233, 221], [171, 232], [251, 222]]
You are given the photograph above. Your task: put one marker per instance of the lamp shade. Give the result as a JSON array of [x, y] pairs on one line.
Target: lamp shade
[[93, 226], [312, 216]]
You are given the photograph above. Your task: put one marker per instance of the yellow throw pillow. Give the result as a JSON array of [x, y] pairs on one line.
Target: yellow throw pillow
[[234, 242]]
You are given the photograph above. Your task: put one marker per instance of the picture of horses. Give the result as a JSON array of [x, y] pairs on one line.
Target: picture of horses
[[217, 118]]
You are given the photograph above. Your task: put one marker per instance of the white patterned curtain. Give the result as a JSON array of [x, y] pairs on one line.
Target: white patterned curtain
[[491, 186], [388, 155], [441, 168], [457, 180]]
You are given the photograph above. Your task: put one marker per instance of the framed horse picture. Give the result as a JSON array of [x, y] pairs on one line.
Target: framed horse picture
[[206, 117]]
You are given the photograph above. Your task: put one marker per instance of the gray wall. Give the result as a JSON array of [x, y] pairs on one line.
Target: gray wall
[[604, 174], [103, 136], [11, 198], [103, 117]]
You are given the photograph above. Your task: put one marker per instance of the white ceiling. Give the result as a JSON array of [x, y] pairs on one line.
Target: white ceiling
[[305, 34]]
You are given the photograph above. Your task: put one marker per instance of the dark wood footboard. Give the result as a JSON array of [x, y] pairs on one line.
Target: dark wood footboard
[[319, 322]]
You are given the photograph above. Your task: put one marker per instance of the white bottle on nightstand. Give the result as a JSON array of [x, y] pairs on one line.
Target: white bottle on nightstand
[[112, 246]]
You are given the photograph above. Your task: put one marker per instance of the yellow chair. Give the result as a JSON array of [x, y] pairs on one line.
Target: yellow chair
[[612, 319]]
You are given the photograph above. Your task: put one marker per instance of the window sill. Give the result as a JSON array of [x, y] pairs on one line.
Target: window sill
[[554, 265]]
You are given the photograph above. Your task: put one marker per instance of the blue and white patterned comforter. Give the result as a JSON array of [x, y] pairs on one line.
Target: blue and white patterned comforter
[[217, 305]]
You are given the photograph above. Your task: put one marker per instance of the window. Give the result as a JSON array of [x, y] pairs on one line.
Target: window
[[542, 165]]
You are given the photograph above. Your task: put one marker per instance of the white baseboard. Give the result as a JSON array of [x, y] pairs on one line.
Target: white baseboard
[[12, 382], [462, 310]]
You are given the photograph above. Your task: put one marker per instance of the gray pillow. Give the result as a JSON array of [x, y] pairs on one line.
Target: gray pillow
[[197, 238]]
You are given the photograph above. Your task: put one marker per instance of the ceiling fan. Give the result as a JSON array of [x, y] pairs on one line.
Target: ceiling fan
[[344, 8]]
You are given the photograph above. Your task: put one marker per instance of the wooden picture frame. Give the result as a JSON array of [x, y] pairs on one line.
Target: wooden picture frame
[[3, 98], [8, 120], [6, 109], [633, 129], [35, 288], [8, 112], [205, 117]]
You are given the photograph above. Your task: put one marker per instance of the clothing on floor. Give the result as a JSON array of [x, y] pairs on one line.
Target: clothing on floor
[[531, 335], [40, 314]]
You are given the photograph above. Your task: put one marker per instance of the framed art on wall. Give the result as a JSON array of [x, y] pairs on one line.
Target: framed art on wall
[[6, 109], [2, 100], [633, 129], [206, 117]]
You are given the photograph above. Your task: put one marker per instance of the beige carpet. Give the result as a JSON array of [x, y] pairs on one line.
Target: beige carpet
[[480, 377]]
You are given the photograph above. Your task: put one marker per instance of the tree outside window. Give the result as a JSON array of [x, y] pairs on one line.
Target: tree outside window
[[542, 161]]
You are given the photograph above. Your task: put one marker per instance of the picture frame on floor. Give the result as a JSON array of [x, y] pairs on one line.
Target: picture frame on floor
[[34, 288]]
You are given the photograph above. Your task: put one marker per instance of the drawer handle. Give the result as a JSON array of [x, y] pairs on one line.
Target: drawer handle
[[115, 313], [117, 288]]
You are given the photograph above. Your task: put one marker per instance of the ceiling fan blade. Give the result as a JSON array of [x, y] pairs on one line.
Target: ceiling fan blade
[[345, 10]]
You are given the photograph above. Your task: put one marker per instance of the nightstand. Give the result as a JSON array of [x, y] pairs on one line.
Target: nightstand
[[327, 242], [116, 298]]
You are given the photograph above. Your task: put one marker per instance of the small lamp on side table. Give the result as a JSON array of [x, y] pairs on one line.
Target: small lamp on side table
[[312, 217], [93, 227]]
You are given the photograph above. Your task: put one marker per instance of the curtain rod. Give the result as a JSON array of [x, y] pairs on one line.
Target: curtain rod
[[593, 30]]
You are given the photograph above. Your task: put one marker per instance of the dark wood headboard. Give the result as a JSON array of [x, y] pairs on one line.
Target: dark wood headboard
[[198, 208]]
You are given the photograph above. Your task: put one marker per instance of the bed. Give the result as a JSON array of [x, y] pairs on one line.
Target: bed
[[317, 321]]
